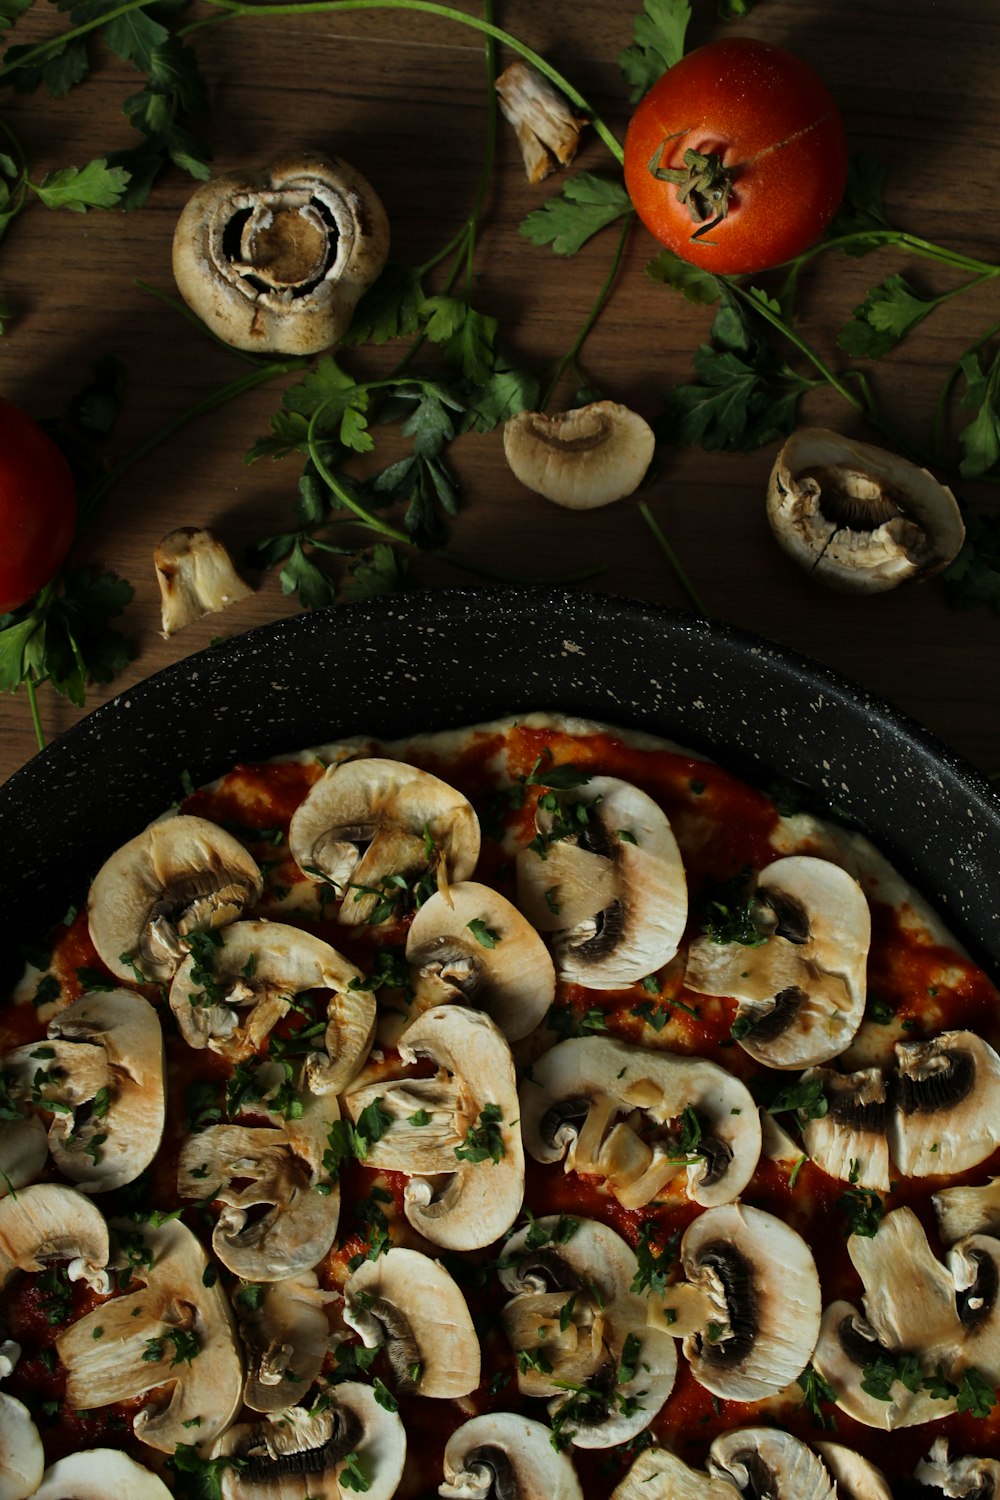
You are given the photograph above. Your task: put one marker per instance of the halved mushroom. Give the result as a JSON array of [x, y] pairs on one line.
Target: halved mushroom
[[766, 1461], [473, 946], [849, 1141], [856, 1478], [369, 822], [606, 879], [196, 577], [276, 260], [102, 1074], [455, 1134], [175, 1335], [581, 458], [180, 876], [966, 1478], [22, 1457], [286, 1339], [505, 1456], [750, 1306], [580, 1334], [295, 1453], [231, 999], [96, 1473], [966, 1210], [947, 1115], [638, 1118], [413, 1307], [801, 992], [280, 1208], [859, 518], [658, 1474], [847, 1352]]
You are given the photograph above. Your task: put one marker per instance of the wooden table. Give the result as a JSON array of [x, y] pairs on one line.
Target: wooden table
[[402, 97]]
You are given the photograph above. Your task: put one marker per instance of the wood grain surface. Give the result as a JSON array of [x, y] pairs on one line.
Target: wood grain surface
[[403, 98]]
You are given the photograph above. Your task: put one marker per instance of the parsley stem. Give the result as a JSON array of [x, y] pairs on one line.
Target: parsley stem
[[941, 405], [36, 717], [570, 357], [342, 493], [424, 7], [672, 558], [904, 241]]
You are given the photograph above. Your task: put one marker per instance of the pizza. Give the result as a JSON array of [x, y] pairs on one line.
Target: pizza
[[532, 1109]]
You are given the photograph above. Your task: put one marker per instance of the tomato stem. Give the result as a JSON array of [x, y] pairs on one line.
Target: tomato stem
[[703, 184]]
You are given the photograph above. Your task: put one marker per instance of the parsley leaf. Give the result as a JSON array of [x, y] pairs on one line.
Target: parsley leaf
[[71, 641], [698, 286], [980, 438], [484, 1140], [864, 1210], [862, 208], [887, 314], [659, 35], [816, 1389], [78, 188], [974, 575], [585, 205]]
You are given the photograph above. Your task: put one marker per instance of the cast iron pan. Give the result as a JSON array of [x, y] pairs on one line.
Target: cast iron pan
[[432, 660]]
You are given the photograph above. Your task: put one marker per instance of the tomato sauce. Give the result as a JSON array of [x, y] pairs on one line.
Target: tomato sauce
[[723, 827]]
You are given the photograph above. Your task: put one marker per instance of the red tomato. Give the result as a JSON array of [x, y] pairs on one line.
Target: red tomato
[[37, 507], [755, 152]]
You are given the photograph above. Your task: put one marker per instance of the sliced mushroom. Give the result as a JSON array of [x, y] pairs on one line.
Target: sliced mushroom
[[749, 1309], [276, 260], [947, 1115], [847, 1348], [966, 1210], [801, 992], [473, 946], [180, 876], [286, 1339], [96, 1473], [465, 1162], [858, 518], [181, 1343], [974, 1268], [295, 1453], [856, 1478], [24, 1150], [909, 1295], [102, 1074], [46, 1222], [413, 1307], [548, 132], [849, 1141], [966, 1478], [615, 1111], [612, 891], [280, 1208], [22, 1457], [196, 577], [658, 1474], [581, 458], [367, 822], [256, 970], [766, 1461], [505, 1456], [580, 1332]]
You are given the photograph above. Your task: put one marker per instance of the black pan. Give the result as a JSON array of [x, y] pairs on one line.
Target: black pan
[[432, 660]]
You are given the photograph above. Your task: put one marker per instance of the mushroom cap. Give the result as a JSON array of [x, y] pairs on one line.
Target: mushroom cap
[[46, 1222], [909, 1295], [458, 1201], [581, 458], [846, 1344], [412, 1304], [277, 1168], [258, 967], [274, 261], [352, 1424], [24, 1150], [764, 1460], [573, 1301], [506, 970], [658, 1474], [407, 821], [137, 1353], [959, 1477], [856, 1478], [503, 1452], [122, 1130], [803, 990], [22, 1458], [947, 1115], [761, 1302], [614, 896], [858, 518], [182, 874], [974, 1268], [579, 1088], [286, 1340], [96, 1473]]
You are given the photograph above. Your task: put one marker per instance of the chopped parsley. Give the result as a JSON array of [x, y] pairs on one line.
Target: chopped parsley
[[484, 1140]]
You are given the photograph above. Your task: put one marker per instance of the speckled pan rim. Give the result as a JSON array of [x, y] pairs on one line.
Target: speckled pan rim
[[450, 657]]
